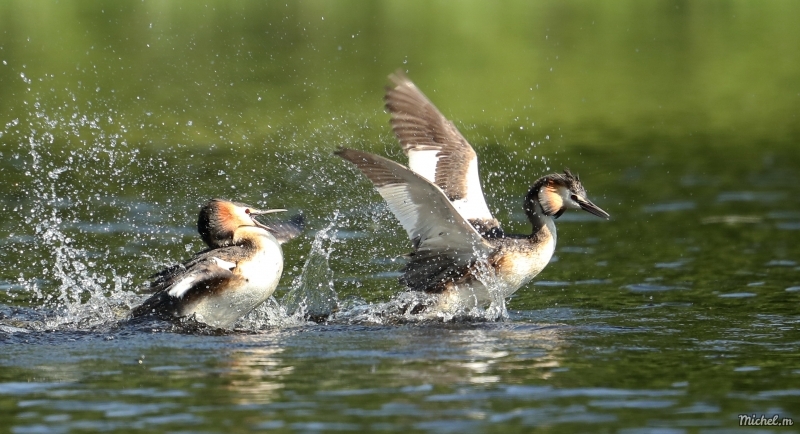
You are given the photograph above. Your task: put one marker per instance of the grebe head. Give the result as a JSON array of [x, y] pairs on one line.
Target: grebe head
[[219, 219], [558, 192]]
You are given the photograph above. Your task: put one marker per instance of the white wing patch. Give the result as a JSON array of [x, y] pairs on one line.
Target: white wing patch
[[181, 287], [422, 208], [423, 221], [427, 215], [423, 163], [474, 205], [436, 150], [224, 264]]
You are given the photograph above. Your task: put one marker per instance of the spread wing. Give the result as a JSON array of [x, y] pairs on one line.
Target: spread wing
[[444, 242], [437, 151]]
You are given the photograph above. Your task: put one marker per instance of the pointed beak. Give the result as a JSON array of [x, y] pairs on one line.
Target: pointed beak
[[255, 212], [261, 212], [591, 208]]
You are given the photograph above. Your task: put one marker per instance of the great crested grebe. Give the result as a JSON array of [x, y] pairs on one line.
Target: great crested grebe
[[240, 269], [458, 246]]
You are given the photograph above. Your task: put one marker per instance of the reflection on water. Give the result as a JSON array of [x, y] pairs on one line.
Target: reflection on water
[[399, 376], [255, 375]]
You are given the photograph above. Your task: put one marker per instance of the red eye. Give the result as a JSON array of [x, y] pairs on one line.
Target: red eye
[[247, 211]]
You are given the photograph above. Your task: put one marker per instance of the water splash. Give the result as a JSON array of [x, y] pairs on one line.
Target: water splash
[[66, 284], [313, 294], [311, 297], [487, 276], [269, 315], [416, 306]]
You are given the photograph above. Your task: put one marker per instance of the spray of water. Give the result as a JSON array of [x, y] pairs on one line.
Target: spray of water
[[67, 154], [313, 294], [66, 284]]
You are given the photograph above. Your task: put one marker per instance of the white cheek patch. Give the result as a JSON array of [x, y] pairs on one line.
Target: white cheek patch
[[575, 204]]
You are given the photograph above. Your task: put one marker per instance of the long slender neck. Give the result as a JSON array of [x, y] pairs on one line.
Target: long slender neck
[[539, 220]]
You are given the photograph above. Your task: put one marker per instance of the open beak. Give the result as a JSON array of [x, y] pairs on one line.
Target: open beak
[[591, 208], [261, 212], [255, 212]]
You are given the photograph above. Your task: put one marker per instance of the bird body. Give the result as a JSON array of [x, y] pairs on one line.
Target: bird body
[[460, 252], [240, 269]]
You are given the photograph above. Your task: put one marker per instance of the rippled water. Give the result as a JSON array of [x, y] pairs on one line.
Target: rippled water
[[677, 315]]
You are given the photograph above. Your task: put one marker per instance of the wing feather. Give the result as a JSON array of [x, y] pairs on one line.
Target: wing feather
[[444, 241], [204, 273], [201, 276], [167, 277], [436, 150]]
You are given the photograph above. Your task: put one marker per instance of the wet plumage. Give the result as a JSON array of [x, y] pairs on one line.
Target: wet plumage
[[460, 249], [240, 269]]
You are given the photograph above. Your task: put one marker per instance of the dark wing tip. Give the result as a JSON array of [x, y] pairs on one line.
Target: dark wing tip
[[159, 305], [359, 158], [351, 155], [376, 168], [394, 92], [386, 93]]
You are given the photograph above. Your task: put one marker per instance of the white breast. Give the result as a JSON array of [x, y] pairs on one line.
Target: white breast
[[524, 268], [262, 274], [517, 271]]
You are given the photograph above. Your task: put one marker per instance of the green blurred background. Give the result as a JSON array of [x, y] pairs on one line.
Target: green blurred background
[[233, 71]]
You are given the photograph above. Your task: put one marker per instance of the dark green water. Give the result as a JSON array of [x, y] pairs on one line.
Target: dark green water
[[118, 119]]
